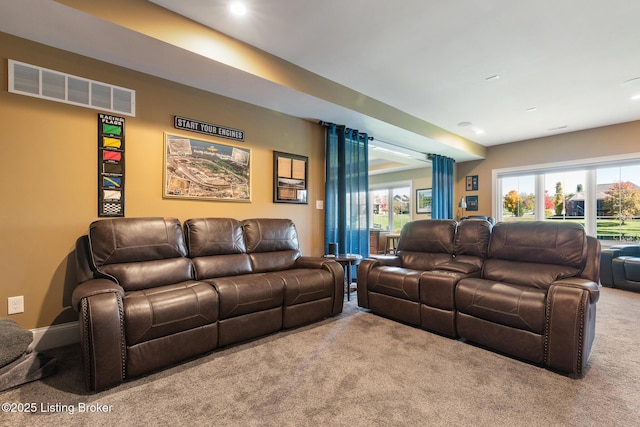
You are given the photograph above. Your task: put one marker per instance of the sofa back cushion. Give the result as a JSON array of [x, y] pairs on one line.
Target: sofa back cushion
[[272, 244], [472, 241], [140, 252], [535, 253], [214, 236], [217, 248], [426, 243]]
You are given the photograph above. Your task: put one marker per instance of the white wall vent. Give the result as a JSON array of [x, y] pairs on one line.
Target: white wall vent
[[39, 82]]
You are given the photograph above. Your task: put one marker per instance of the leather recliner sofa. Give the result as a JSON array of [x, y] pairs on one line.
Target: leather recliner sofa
[[416, 286], [530, 290], [152, 293], [620, 267]]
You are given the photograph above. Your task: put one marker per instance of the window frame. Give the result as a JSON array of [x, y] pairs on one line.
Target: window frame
[[589, 165]]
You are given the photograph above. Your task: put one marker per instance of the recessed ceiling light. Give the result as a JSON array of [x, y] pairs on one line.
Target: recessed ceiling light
[[558, 128], [238, 8], [494, 77], [464, 124], [531, 109]]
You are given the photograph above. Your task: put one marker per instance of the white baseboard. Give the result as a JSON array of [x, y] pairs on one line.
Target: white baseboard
[[55, 336]]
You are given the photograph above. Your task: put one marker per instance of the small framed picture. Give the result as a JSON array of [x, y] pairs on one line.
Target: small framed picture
[[472, 183], [423, 201], [472, 203], [290, 178]]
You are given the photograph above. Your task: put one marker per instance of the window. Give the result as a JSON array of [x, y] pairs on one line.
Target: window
[[518, 197], [602, 194], [390, 206], [618, 203]]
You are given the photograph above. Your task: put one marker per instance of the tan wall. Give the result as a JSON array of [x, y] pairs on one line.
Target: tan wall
[[48, 168], [600, 142]]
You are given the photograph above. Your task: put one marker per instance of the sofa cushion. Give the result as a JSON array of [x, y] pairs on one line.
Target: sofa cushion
[[140, 252], [526, 273], [263, 262], [214, 236], [121, 240], [272, 244], [149, 274], [520, 307], [397, 282], [631, 267], [472, 239], [248, 293], [543, 242], [423, 260], [424, 244], [435, 236], [535, 253], [166, 310], [270, 235], [304, 285], [208, 267]]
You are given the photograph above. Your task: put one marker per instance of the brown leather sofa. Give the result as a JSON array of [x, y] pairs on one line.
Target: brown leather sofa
[[152, 292], [526, 289], [416, 286]]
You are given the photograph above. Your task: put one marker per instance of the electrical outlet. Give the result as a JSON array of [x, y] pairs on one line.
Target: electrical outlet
[[15, 305]]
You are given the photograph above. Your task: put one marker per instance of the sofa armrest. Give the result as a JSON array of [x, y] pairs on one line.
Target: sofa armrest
[[388, 260], [102, 338], [584, 284], [94, 287], [336, 271], [570, 324], [311, 262]]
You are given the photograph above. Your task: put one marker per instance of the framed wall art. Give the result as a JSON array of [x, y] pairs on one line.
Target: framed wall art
[[423, 201], [472, 183], [110, 166], [290, 178], [203, 170], [472, 203]]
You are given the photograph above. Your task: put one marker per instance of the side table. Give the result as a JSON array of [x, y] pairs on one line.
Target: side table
[[347, 260]]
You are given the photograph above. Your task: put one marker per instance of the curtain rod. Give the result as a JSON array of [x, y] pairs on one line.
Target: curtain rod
[[327, 124]]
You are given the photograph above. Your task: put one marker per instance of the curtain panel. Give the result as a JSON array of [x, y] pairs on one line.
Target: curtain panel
[[347, 190], [442, 187]]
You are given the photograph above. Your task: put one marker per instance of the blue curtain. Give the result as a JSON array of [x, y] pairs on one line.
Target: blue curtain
[[347, 190], [442, 185]]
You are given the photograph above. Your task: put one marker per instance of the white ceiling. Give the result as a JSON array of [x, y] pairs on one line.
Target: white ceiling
[[431, 59]]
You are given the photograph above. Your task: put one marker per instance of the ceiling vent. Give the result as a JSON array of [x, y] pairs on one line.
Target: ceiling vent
[[39, 82]]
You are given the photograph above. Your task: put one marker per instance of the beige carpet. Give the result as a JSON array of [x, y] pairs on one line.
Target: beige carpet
[[358, 369]]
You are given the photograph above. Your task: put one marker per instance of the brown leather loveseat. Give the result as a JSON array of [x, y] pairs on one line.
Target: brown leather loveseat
[[533, 295], [153, 292]]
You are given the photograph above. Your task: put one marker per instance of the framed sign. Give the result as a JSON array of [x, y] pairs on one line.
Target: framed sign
[[110, 166], [472, 203], [290, 178], [472, 183], [202, 170], [423, 201]]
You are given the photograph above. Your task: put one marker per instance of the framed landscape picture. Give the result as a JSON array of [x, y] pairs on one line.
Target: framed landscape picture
[[290, 178], [423, 201], [202, 170]]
